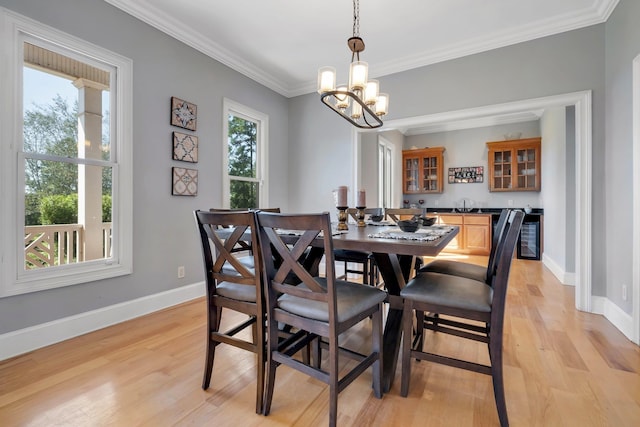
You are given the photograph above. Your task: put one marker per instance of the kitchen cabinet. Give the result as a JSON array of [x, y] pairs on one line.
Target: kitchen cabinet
[[474, 237], [423, 170], [514, 165]]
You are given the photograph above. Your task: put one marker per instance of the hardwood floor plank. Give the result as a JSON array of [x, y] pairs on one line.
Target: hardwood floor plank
[[562, 367]]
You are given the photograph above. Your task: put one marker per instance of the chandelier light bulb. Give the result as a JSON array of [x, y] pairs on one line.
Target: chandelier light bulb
[[358, 73], [371, 92], [326, 79], [382, 104], [342, 99]]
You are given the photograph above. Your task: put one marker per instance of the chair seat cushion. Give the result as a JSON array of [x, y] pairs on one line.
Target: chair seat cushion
[[247, 261], [449, 291], [457, 268], [236, 291], [352, 299], [349, 255]]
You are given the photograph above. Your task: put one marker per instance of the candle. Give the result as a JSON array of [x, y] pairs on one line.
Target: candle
[[362, 199], [342, 196]]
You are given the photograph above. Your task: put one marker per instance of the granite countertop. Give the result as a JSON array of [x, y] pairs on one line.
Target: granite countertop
[[492, 211]]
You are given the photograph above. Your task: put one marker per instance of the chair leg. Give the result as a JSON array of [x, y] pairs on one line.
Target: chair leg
[[495, 353], [376, 346], [213, 325], [259, 341], [272, 346], [407, 326], [333, 379]]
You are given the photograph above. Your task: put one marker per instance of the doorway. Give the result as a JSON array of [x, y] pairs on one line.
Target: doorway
[[581, 101]]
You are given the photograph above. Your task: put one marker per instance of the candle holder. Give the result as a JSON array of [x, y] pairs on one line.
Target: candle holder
[[342, 218], [360, 215]]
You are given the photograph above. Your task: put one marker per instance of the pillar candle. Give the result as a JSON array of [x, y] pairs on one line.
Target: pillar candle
[[362, 199], [342, 196]]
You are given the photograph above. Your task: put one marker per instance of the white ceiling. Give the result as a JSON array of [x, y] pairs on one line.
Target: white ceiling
[[282, 43]]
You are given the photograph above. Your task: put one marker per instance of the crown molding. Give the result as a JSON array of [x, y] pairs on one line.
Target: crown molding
[[147, 13], [598, 13]]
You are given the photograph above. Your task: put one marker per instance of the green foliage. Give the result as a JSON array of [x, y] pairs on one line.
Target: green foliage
[[63, 209], [32, 209], [243, 146], [59, 209], [51, 129], [106, 208]]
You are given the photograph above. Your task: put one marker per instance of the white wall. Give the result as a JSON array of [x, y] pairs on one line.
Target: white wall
[[554, 186]]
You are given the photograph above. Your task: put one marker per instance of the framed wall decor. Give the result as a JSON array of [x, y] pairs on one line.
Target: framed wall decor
[[466, 175], [185, 182], [185, 147], [183, 114]]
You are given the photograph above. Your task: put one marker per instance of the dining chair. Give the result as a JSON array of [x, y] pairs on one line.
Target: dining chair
[[466, 269], [244, 247], [232, 285], [317, 308], [368, 270], [474, 310]]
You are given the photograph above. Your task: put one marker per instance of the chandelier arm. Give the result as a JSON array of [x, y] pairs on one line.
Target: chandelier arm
[[367, 113]]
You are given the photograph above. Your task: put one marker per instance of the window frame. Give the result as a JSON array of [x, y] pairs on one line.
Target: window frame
[[15, 30], [262, 141]]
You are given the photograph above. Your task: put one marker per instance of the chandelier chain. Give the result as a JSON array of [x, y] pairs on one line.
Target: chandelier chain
[[356, 18]]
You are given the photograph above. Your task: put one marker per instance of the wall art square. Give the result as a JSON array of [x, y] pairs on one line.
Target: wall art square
[[185, 182], [466, 175], [185, 147], [183, 114]]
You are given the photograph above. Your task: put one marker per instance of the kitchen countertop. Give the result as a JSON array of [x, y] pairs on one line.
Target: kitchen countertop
[[492, 211]]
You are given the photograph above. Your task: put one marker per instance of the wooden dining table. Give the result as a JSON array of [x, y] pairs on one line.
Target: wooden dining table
[[395, 259]]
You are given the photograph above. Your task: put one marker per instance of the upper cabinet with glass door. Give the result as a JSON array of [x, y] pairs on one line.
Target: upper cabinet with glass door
[[423, 170], [514, 165]]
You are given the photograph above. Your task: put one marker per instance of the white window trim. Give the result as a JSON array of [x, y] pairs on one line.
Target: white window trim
[[228, 107], [14, 28]]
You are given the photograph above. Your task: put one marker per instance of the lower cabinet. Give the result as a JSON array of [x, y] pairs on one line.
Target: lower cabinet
[[474, 237]]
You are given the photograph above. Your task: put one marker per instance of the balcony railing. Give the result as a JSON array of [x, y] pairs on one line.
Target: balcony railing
[[50, 245]]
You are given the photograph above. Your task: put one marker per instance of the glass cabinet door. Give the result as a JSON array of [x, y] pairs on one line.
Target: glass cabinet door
[[411, 170], [429, 173], [502, 169], [526, 168]]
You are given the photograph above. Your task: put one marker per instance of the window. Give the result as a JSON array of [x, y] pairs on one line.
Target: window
[[245, 157], [66, 159]]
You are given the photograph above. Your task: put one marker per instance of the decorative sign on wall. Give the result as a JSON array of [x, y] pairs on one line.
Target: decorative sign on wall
[[183, 114], [467, 175], [185, 147], [185, 182]]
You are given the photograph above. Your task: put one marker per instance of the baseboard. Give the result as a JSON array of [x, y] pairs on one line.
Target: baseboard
[[28, 339], [614, 314], [563, 276]]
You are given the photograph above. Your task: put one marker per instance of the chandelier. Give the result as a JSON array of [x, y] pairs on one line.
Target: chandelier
[[360, 103]]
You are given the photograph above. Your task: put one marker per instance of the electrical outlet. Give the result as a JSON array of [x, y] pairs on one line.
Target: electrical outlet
[[510, 203], [435, 203], [624, 292], [181, 272]]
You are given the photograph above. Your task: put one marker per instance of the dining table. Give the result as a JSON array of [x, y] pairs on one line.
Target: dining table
[[395, 253]]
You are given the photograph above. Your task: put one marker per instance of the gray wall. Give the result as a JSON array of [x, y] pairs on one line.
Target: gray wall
[[568, 62], [163, 226], [622, 46]]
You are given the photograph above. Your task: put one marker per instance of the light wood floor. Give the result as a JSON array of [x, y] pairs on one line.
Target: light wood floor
[[562, 368]]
